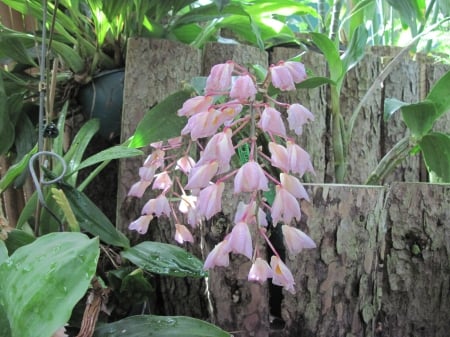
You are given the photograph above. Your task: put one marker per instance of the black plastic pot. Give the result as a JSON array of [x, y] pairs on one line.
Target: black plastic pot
[[102, 98]]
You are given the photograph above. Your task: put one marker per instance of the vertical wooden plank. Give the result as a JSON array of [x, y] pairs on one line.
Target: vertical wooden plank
[[336, 283], [238, 306], [416, 293], [315, 134]]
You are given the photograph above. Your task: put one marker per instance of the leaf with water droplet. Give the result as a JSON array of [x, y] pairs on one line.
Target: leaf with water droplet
[[164, 259]]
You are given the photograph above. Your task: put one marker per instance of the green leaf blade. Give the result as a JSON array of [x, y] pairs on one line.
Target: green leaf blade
[[420, 117], [164, 259], [42, 282], [436, 152], [161, 326]]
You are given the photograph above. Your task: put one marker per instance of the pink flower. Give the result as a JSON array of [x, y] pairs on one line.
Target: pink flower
[[203, 124], [185, 164], [297, 71], [219, 80], [147, 173], [200, 176], [162, 181], [272, 122], [247, 213], [279, 156], [281, 275], [155, 159], [298, 115], [138, 188], [175, 142], [285, 207], [229, 111], [219, 256], [250, 177], [141, 224], [293, 186], [220, 148], [296, 240], [182, 234], [243, 88], [157, 207], [260, 271], [240, 240], [299, 160], [188, 205], [209, 201], [282, 78], [195, 105]]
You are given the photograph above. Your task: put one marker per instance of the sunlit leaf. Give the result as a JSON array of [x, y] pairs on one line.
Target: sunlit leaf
[[64, 207], [161, 326], [164, 259], [331, 54], [42, 282]]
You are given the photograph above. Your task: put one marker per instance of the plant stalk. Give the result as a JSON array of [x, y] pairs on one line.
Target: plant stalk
[[338, 135]]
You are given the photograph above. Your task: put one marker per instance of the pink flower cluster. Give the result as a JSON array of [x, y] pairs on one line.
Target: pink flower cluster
[[234, 111]]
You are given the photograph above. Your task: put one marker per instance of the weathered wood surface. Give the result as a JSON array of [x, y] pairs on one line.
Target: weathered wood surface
[[361, 280]]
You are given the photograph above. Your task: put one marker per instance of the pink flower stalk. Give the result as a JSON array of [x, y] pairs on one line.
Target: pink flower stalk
[[299, 160], [209, 201], [297, 71], [219, 256], [195, 105], [247, 213], [293, 186], [260, 271], [141, 224], [279, 156], [281, 275], [249, 178], [219, 148], [298, 115], [182, 234], [240, 240], [188, 206], [138, 188], [272, 122], [243, 88], [185, 164], [155, 159], [285, 207], [201, 175], [203, 124], [219, 80], [296, 240], [162, 181], [282, 78], [147, 173], [157, 207]]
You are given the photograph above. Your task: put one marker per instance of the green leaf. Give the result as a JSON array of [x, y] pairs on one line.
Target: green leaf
[[331, 54], [161, 326], [314, 82], [356, 48], [439, 95], [16, 170], [115, 152], [436, 153], [42, 282], [92, 219], [164, 259], [3, 252], [391, 105], [5, 330], [419, 117], [16, 50], [18, 238], [161, 122], [6, 126], [65, 208]]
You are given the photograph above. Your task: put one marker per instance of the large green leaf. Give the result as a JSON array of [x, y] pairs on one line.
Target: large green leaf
[[5, 330], [92, 219], [164, 259], [161, 326], [439, 95], [16, 170], [436, 153], [18, 238], [356, 49], [161, 122], [115, 152], [420, 117], [331, 54], [3, 252], [42, 282]]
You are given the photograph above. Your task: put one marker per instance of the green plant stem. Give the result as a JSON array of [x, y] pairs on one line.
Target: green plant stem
[[338, 135], [335, 19], [390, 161], [92, 175]]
